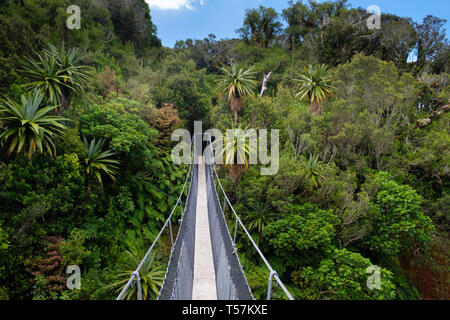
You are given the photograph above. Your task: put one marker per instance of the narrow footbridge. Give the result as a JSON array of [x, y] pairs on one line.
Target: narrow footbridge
[[203, 264]]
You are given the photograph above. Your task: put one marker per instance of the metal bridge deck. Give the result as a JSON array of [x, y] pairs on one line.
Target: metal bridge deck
[[204, 285]]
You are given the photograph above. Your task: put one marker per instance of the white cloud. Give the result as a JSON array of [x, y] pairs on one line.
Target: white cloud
[[174, 4]]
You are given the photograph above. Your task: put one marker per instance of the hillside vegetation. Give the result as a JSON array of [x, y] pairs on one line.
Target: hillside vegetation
[[86, 176]]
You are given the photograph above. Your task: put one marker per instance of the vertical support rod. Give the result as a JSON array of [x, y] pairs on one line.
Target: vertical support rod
[[235, 231], [128, 285], [269, 287], [171, 234], [224, 205], [139, 287]]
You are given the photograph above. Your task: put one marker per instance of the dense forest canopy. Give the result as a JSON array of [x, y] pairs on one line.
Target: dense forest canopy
[[86, 117]]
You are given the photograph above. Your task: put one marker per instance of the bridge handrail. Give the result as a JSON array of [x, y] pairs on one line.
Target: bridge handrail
[[273, 273]]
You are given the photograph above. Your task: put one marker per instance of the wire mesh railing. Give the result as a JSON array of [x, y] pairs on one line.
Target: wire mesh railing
[[231, 282], [179, 278], [135, 276], [273, 274]]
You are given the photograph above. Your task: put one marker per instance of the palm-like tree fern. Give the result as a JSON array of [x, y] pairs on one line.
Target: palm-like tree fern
[[29, 126], [260, 217], [152, 277], [57, 73], [78, 75], [314, 175], [314, 84], [236, 151], [46, 76], [98, 160], [236, 82]]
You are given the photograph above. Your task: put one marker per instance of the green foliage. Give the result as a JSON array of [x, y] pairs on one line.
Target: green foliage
[[236, 82], [126, 132], [132, 22], [99, 160], [77, 76], [28, 197], [304, 231], [314, 84], [258, 280], [342, 276], [4, 242], [259, 112], [29, 125], [237, 148], [398, 223], [70, 142], [328, 207], [56, 201], [261, 26], [431, 44], [177, 82], [313, 171], [73, 250], [57, 73], [366, 130], [433, 153], [151, 275], [46, 76], [39, 288], [260, 217]]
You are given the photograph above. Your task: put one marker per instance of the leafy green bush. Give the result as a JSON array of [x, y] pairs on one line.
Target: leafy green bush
[[305, 230], [398, 225], [342, 276]]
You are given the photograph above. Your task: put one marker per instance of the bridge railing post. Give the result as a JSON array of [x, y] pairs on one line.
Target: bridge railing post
[[224, 205], [269, 287], [139, 287], [128, 285], [235, 231], [171, 234]]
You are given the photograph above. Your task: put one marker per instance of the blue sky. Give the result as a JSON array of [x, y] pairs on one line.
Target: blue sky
[[195, 19]]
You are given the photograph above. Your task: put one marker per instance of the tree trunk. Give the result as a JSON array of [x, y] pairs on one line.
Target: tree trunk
[[237, 171], [316, 107], [236, 105], [65, 100]]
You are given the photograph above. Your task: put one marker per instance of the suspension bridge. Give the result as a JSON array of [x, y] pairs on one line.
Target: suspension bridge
[[203, 264]]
